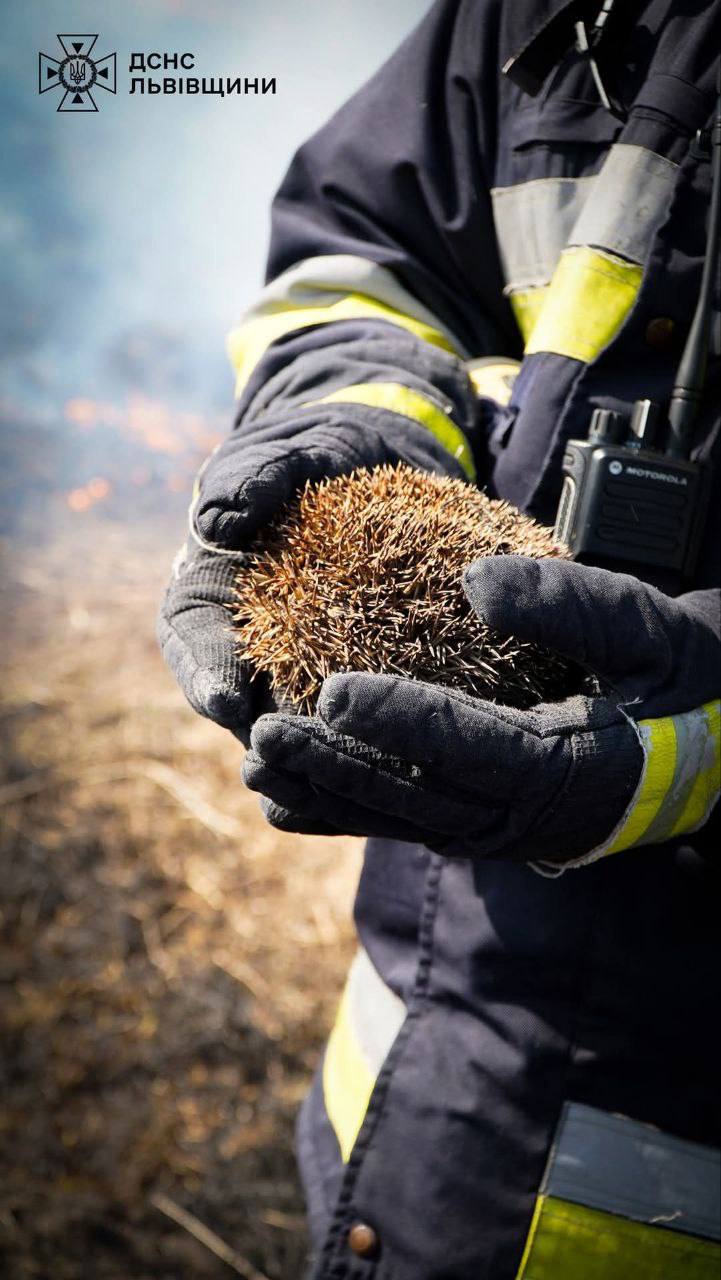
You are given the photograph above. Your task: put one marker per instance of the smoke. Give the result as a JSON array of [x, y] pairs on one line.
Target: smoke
[[132, 238]]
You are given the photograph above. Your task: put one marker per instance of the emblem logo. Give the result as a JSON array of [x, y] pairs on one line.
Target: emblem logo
[[76, 73]]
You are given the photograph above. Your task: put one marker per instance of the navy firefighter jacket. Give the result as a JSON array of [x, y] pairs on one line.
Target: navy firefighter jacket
[[522, 1079]]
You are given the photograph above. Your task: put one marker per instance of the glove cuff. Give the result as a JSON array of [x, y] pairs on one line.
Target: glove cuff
[[613, 759], [676, 771]]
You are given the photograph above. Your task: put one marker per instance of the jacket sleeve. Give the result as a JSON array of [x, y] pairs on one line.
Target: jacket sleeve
[[383, 274]]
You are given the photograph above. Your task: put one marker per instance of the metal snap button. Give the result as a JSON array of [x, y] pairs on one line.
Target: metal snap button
[[363, 1240]]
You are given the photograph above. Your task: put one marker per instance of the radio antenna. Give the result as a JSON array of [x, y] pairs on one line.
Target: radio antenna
[[691, 373]]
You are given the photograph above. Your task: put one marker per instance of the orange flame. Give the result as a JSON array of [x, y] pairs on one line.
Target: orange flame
[[85, 497], [87, 414], [156, 424]]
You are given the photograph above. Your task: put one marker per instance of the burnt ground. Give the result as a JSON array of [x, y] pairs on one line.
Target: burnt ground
[[170, 965]]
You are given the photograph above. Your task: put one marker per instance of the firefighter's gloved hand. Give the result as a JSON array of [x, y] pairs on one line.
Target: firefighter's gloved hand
[[557, 784], [410, 761], [194, 630], [247, 480], [240, 489]]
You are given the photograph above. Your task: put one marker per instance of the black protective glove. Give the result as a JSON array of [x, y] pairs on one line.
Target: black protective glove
[[241, 488], [194, 631], [285, 436], [561, 783], [250, 477]]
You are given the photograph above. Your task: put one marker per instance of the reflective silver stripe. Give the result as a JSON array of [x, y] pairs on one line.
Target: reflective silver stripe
[[617, 210], [375, 1013], [620, 1166], [695, 747], [630, 198], [533, 221], [329, 278]]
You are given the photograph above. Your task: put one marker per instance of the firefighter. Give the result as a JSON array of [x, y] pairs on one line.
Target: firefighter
[[522, 1078]]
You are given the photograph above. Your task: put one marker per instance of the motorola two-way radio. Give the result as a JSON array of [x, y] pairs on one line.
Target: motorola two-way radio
[[632, 498]]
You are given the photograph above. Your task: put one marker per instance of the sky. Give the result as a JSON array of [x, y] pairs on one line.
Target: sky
[[132, 239]]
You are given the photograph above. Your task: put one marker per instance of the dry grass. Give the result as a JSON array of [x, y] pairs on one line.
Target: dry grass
[[364, 573], [170, 964]]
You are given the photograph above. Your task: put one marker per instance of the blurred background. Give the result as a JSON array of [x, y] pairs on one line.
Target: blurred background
[[169, 964]]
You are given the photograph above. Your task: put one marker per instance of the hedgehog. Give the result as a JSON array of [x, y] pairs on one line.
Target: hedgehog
[[363, 572]]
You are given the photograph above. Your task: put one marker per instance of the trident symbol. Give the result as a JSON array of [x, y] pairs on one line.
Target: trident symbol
[[77, 73]]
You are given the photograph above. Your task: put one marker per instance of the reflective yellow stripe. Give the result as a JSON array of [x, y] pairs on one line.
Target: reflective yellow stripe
[[680, 781], [571, 1242], [347, 1080], [659, 743], [410, 404], [369, 1019], [527, 305], [251, 340], [588, 299], [705, 788], [493, 378]]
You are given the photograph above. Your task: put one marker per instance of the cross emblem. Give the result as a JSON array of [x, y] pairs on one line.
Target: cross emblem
[[77, 73]]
